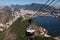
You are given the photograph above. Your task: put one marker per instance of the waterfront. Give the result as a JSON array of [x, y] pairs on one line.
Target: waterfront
[[49, 23]]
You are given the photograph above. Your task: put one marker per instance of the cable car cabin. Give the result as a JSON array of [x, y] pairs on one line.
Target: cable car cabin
[[30, 32]]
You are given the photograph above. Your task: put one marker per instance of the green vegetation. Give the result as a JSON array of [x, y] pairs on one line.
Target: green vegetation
[[19, 28], [2, 35], [0, 15]]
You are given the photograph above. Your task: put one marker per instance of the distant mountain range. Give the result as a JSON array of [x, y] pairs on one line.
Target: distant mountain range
[[33, 6]]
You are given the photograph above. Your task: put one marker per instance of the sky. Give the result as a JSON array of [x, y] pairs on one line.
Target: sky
[[22, 2]]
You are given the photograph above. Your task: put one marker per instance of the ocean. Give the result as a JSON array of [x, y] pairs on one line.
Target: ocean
[[51, 24]]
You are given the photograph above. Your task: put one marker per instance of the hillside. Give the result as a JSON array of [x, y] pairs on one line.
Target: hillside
[[17, 28], [17, 31]]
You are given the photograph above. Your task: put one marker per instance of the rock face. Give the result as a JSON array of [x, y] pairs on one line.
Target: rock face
[[39, 31]]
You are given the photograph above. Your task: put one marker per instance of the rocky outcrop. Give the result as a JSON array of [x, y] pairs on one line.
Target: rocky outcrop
[[39, 31]]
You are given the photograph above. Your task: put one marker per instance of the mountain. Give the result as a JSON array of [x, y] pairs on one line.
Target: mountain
[[33, 6], [6, 8], [8, 11]]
